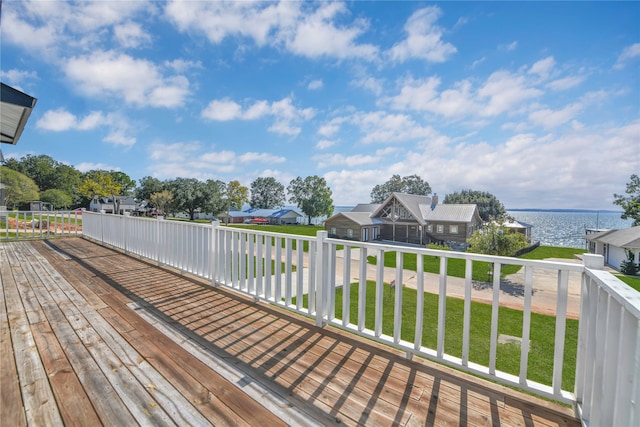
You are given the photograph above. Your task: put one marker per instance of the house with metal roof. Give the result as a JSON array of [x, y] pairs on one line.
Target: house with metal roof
[[614, 245], [279, 216], [407, 218]]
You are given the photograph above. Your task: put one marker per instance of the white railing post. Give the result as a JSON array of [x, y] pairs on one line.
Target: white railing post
[[102, 213], [593, 261], [321, 286], [125, 220], [213, 247], [158, 239]]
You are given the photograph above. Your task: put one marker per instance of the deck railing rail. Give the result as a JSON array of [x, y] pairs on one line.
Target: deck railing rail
[[305, 273], [39, 224]]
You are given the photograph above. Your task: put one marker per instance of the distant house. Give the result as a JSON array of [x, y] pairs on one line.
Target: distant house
[[614, 245], [279, 216], [126, 204], [407, 218], [519, 227]]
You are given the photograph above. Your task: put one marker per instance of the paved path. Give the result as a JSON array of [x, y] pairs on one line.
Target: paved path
[[545, 284]]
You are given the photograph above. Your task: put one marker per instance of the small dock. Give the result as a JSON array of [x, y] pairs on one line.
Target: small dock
[[92, 336]]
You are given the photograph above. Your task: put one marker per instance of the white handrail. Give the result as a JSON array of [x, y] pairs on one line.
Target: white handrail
[[275, 267]]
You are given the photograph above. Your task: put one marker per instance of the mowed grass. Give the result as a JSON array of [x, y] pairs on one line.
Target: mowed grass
[[510, 321]]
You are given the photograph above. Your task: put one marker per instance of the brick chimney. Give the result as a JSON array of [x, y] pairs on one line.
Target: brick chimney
[[434, 201]]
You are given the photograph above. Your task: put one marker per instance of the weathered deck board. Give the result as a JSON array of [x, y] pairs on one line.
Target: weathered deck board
[[161, 327]]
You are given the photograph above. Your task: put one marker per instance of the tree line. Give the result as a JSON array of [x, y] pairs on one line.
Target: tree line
[[42, 178]]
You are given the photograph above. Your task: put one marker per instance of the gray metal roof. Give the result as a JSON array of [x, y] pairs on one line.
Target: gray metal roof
[[626, 238], [15, 109], [366, 207], [452, 213], [360, 218]]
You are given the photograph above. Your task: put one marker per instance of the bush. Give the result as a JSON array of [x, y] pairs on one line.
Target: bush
[[628, 266]]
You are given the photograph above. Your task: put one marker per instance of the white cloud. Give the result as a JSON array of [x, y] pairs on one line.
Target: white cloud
[[222, 110], [315, 85], [543, 67], [566, 82], [628, 54], [526, 170], [304, 29], [131, 35], [510, 47], [60, 120], [315, 35], [57, 120], [330, 128], [381, 127], [88, 166], [53, 29], [424, 38], [261, 158], [323, 144], [503, 91], [340, 160], [369, 83], [477, 62], [423, 95], [177, 152], [284, 113], [16, 77], [550, 119], [136, 81]]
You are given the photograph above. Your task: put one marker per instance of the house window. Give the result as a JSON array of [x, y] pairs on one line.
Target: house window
[[453, 229], [430, 228], [440, 228], [349, 232], [333, 231]]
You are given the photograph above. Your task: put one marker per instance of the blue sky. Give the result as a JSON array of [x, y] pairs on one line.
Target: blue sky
[[537, 103]]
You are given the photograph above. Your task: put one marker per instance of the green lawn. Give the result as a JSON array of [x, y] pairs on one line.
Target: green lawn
[[634, 282], [542, 333]]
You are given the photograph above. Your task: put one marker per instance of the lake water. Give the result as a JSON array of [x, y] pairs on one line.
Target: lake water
[[559, 228], [554, 228]]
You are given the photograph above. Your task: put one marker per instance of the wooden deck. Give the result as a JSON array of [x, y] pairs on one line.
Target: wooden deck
[[90, 336]]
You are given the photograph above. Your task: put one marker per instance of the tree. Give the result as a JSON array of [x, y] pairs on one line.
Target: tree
[[148, 186], [267, 193], [46, 172], [489, 207], [189, 195], [215, 202], [162, 200], [127, 185], [411, 184], [311, 195], [58, 198], [237, 195], [18, 188], [49, 174], [101, 184], [631, 202], [496, 239]]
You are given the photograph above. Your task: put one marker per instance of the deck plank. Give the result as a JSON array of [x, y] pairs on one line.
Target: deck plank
[[154, 315], [10, 395], [38, 399], [220, 399]]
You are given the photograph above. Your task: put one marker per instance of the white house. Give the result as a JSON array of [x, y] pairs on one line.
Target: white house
[[127, 204], [614, 245]]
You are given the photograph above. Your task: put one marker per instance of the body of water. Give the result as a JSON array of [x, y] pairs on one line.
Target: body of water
[[560, 228], [567, 229]]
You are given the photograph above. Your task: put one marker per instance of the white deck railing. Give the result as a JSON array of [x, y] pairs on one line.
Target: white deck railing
[[39, 224], [305, 274]]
